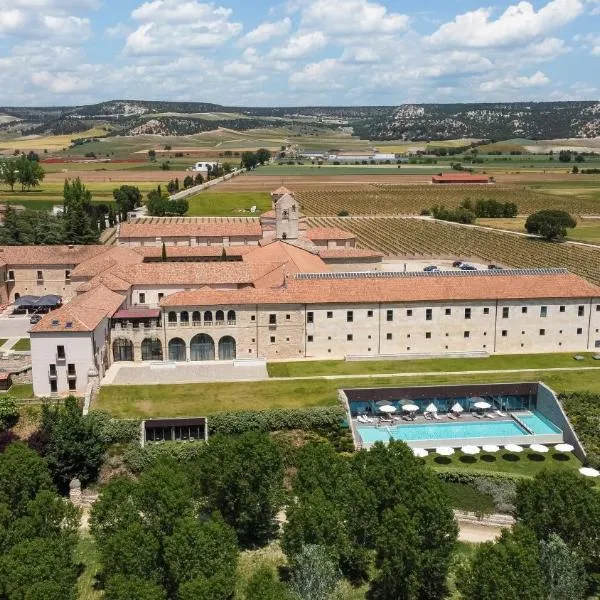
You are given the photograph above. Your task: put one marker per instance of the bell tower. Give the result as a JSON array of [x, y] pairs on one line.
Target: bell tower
[[287, 217]]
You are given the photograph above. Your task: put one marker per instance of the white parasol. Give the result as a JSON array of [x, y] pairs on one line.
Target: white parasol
[[470, 450], [431, 408], [589, 472], [410, 408], [514, 448], [490, 448], [482, 405], [420, 452], [387, 408], [564, 448], [539, 448], [444, 451], [457, 408]]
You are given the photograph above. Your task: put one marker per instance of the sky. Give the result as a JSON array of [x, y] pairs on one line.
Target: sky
[[298, 52]]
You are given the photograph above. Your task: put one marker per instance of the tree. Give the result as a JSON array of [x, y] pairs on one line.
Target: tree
[[122, 587], [580, 158], [9, 412], [198, 179], [77, 206], [249, 160], [29, 172], [507, 569], [263, 155], [398, 558], [242, 477], [563, 574], [73, 447], [127, 198], [9, 173], [564, 156], [163, 253], [188, 182], [550, 224], [151, 155], [565, 504], [575, 170], [265, 585], [313, 575]]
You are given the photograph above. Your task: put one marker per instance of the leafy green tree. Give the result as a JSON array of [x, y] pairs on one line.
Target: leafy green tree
[[249, 160], [9, 172], [217, 587], [77, 207], [23, 474], [242, 477], [398, 558], [163, 253], [265, 585], [122, 587], [127, 198], [188, 182], [566, 504], [74, 447], [507, 569], [151, 155], [9, 412], [263, 155], [29, 172], [313, 574], [563, 573], [550, 224], [198, 179], [564, 156]]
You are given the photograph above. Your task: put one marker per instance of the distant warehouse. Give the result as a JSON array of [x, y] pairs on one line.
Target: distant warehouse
[[460, 178]]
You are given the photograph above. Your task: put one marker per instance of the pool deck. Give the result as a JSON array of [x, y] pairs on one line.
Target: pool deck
[[466, 417]]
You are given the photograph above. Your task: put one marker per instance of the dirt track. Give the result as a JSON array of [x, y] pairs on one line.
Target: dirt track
[[124, 176]]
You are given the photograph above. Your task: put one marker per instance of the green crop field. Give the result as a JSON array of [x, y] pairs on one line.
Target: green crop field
[[228, 204], [427, 238], [412, 199]]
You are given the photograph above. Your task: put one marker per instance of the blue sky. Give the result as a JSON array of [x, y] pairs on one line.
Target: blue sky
[[298, 52]]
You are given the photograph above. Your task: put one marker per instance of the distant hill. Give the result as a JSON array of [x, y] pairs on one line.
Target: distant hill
[[419, 122]]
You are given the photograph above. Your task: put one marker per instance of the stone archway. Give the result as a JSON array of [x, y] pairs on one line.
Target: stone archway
[[227, 348], [152, 349], [122, 350], [177, 350], [202, 347]]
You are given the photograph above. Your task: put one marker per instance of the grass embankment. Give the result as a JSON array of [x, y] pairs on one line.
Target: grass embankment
[[368, 367], [130, 401], [23, 345], [228, 204], [86, 553], [467, 498], [524, 464], [3, 341], [20, 391]]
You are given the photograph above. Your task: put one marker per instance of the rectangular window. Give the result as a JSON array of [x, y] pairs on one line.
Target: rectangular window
[[388, 336], [253, 317], [40, 275], [310, 338], [52, 370], [11, 275], [67, 274], [562, 309], [70, 369], [467, 334], [543, 311], [524, 310], [505, 312], [160, 296], [389, 315], [428, 335], [369, 313], [486, 311], [579, 331], [467, 313], [597, 307], [350, 316], [60, 352], [330, 314], [597, 344], [310, 317], [409, 313], [580, 311], [448, 311], [272, 319], [542, 332], [504, 333], [53, 386], [288, 317], [142, 298], [428, 314], [272, 339], [72, 385], [349, 337]]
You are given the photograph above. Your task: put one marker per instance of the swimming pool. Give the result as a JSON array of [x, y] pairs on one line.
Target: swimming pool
[[476, 430]]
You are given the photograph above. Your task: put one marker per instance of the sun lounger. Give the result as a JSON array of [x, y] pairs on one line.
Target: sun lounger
[[428, 416], [478, 415], [436, 416], [489, 415], [451, 416], [500, 413]]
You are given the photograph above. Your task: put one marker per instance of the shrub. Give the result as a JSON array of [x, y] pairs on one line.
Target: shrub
[[139, 459], [9, 412], [343, 213], [115, 431]]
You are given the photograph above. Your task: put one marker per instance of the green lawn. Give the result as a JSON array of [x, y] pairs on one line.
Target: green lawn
[[497, 362], [130, 401], [87, 554], [20, 391], [229, 204], [23, 345], [525, 464], [467, 498], [2, 342]]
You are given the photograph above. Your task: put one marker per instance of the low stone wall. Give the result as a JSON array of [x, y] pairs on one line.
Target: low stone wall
[[204, 186]]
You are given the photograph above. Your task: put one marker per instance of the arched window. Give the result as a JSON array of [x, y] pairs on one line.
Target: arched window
[[196, 317], [172, 317], [152, 349], [177, 349], [219, 316], [202, 347], [184, 317], [284, 236], [122, 350], [227, 348], [231, 315], [208, 316], [286, 214]]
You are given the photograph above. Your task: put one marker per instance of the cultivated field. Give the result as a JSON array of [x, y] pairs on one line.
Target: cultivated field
[[428, 238]]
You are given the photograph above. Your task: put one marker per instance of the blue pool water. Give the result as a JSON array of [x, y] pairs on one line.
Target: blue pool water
[[456, 430]]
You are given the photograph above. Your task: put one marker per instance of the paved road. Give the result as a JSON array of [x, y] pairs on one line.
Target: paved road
[[11, 327]]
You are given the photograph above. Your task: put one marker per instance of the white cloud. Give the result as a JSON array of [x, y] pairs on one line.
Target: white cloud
[[60, 5], [594, 6], [547, 49], [351, 17], [173, 26], [60, 83], [318, 75], [11, 21], [515, 83], [118, 30], [519, 24], [67, 27], [266, 31], [300, 45], [238, 69]]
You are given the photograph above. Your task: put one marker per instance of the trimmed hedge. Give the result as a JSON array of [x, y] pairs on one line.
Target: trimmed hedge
[[115, 431], [138, 459], [583, 410]]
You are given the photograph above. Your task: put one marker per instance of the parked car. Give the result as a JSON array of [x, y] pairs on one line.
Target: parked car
[[466, 267], [430, 268], [35, 319], [494, 267], [457, 263]]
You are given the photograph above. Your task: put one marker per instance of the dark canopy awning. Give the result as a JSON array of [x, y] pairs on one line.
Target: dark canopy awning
[[27, 300], [49, 301]]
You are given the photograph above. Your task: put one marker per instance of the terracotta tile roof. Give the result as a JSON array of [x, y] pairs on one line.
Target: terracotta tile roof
[[83, 313], [270, 214], [281, 190], [295, 259], [328, 233], [365, 289], [115, 255], [107, 279], [191, 251], [459, 177], [49, 255], [216, 228], [326, 253]]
